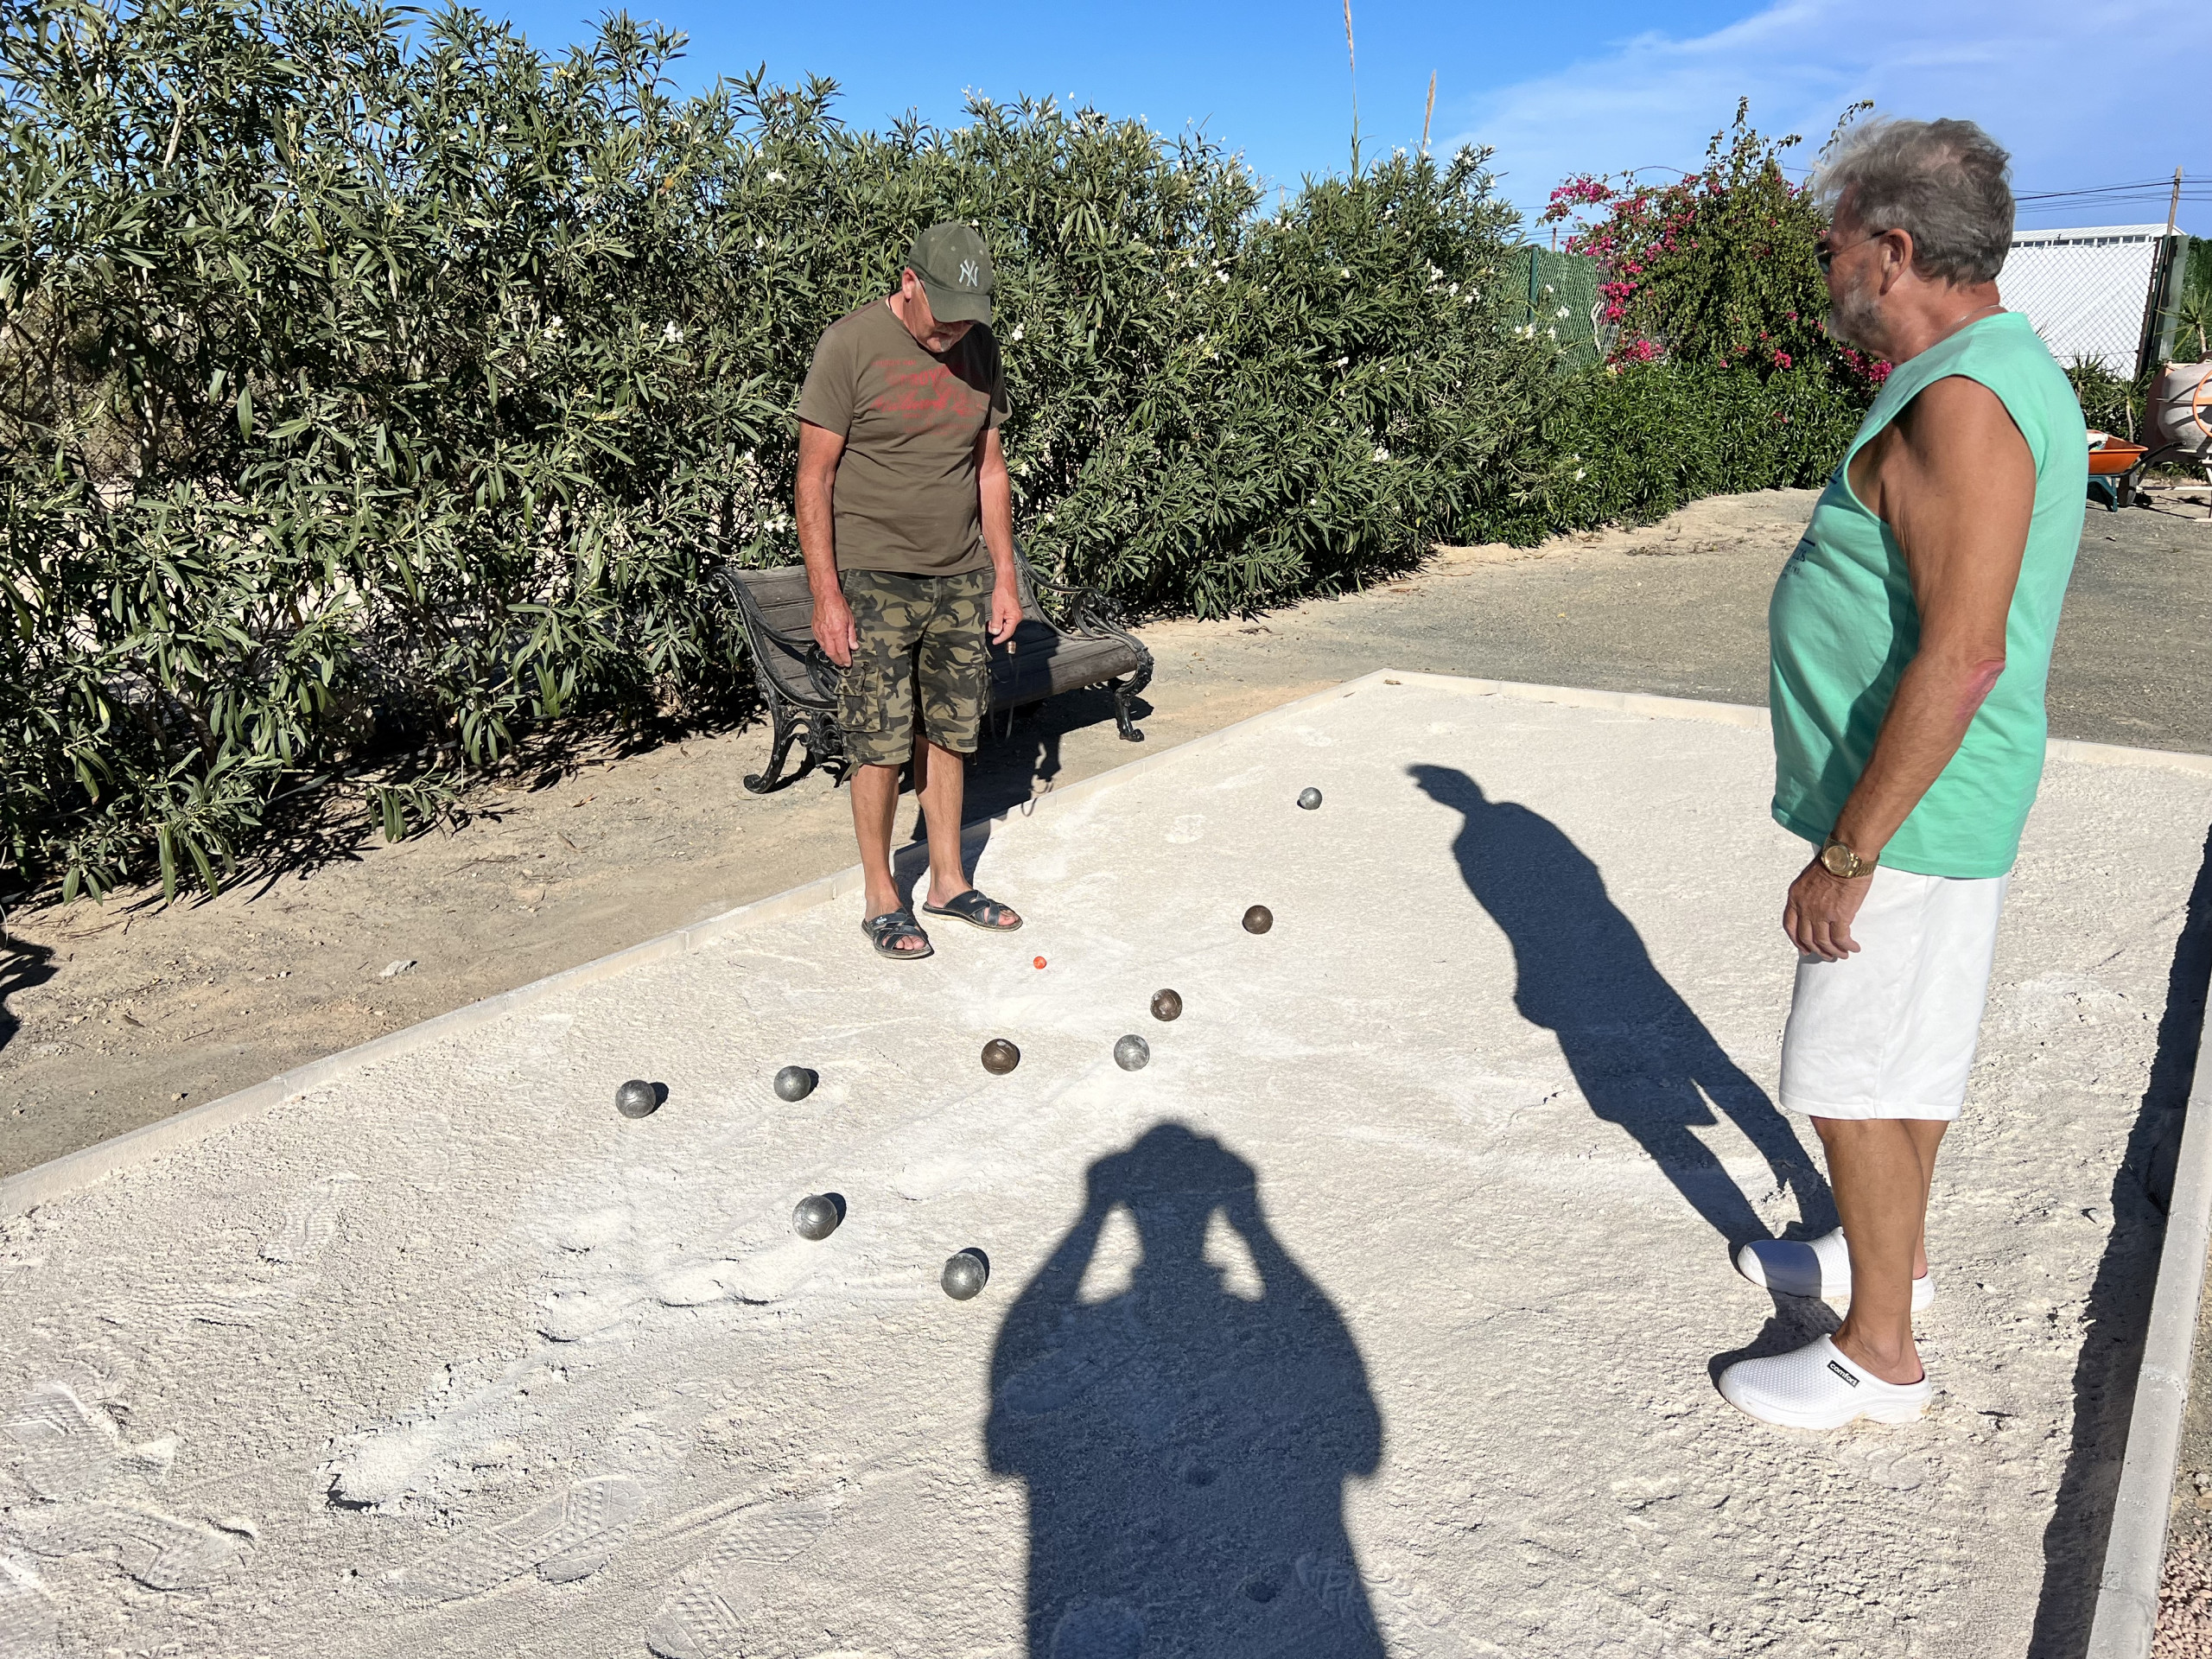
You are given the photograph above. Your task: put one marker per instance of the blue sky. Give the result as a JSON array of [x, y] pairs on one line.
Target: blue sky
[[2085, 92]]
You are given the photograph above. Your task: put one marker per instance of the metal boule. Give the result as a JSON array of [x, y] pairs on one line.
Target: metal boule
[[1309, 797], [637, 1098], [795, 1083], [1259, 919], [1166, 1005], [1001, 1057], [816, 1216], [1132, 1053], [965, 1274]]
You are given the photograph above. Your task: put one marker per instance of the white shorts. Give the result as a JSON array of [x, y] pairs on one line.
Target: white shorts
[[1890, 1032]]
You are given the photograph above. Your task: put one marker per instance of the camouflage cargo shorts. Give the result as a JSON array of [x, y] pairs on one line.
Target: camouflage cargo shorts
[[920, 637]]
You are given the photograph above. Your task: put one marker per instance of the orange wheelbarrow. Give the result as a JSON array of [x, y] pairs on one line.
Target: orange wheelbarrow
[[2114, 471]]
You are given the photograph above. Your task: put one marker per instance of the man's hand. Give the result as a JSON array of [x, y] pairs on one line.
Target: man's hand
[[1817, 916], [833, 628], [1006, 610]]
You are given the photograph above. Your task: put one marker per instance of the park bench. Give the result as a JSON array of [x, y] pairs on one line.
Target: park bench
[[1085, 646]]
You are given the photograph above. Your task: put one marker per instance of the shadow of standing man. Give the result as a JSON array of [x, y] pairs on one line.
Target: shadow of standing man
[[1641, 1057], [1184, 1446]]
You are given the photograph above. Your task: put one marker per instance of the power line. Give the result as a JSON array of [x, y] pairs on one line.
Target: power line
[[2148, 190]]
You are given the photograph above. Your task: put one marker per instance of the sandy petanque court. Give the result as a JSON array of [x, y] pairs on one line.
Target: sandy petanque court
[[1377, 1314]]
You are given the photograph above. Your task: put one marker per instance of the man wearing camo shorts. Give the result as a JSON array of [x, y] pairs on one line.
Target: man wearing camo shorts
[[906, 519]]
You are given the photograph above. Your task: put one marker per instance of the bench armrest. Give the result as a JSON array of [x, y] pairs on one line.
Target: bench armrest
[[821, 671], [1090, 613]]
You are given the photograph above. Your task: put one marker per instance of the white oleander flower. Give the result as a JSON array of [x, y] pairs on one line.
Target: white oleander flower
[[672, 334], [774, 177], [1382, 454], [1579, 474], [1016, 334]]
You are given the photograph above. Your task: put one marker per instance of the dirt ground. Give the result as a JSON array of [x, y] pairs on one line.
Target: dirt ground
[[113, 1015]]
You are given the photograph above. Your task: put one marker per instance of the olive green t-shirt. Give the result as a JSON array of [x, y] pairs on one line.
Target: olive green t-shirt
[[907, 497]]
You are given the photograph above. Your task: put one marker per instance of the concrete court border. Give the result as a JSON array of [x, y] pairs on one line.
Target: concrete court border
[[2127, 1598]]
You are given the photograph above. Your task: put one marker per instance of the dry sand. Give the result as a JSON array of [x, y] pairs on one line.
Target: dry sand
[[1377, 1314]]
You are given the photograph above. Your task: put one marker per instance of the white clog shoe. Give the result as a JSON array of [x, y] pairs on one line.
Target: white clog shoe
[[1816, 1387], [1813, 1267]]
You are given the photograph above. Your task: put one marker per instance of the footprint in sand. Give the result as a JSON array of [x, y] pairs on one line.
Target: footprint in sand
[[172, 1307], [705, 1618], [92, 1485], [1335, 1583], [569, 1535], [1098, 1629], [161, 1551], [62, 1448], [310, 1224], [572, 1316], [776, 1272], [30, 1621]]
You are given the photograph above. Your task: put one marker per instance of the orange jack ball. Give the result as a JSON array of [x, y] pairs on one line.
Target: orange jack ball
[[1040, 962]]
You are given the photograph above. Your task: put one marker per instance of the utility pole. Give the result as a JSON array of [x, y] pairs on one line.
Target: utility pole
[[1429, 115], [2173, 207]]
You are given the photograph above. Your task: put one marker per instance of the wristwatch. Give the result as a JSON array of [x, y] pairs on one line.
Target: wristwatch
[[1840, 861]]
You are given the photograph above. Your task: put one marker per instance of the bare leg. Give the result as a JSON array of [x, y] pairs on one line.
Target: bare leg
[[1927, 1135], [1881, 1170], [875, 804], [940, 779]]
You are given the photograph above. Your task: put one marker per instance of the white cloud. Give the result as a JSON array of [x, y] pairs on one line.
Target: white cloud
[[2082, 94]]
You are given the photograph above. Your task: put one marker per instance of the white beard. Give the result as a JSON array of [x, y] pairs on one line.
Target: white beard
[[1850, 316]]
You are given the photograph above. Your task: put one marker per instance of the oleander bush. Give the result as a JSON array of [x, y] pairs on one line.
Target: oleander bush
[[1652, 437], [376, 392]]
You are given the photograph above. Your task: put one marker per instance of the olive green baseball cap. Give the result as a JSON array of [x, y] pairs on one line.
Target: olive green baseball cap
[[955, 271]]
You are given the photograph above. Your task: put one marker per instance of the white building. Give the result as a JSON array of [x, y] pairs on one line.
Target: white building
[[2084, 290]]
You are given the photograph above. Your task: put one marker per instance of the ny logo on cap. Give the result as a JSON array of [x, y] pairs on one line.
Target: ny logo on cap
[[967, 273]]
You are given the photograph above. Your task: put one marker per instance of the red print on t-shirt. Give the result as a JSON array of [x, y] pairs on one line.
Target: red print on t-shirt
[[923, 395]]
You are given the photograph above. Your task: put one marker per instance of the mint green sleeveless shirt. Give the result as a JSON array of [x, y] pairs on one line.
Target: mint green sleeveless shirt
[[1843, 624]]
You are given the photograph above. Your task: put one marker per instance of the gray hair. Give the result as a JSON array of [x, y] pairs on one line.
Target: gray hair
[[1941, 182]]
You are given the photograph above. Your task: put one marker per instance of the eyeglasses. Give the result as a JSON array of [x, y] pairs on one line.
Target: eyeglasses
[[1826, 256]]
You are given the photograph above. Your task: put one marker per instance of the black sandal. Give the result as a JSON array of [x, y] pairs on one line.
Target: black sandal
[[977, 911], [885, 931]]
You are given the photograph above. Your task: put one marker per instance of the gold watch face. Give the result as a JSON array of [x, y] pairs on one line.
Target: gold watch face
[[1839, 860]]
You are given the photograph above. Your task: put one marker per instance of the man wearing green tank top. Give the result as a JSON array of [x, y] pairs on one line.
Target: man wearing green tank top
[[1911, 633]]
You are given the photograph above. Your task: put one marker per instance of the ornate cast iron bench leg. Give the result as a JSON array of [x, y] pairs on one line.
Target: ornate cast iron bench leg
[[786, 733], [1125, 692]]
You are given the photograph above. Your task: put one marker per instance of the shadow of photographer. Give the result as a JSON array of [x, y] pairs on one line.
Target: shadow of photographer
[[1184, 1442]]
